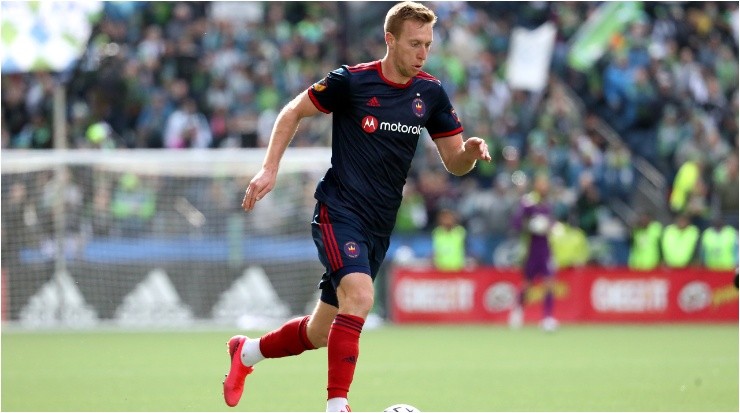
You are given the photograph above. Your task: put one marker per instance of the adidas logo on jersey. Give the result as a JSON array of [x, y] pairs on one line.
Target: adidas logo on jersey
[[373, 102]]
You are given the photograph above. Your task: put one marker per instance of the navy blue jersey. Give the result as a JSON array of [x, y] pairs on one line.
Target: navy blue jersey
[[376, 126]]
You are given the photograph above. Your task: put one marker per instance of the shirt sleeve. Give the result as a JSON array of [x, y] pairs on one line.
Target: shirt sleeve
[[331, 93], [517, 219], [444, 121]]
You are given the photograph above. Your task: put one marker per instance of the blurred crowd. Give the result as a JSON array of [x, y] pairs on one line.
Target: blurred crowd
[[215, 74]]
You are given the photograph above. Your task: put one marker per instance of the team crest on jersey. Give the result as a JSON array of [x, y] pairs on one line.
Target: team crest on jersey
[[418, 107], [352, 249], [319, 86], [454, 115]]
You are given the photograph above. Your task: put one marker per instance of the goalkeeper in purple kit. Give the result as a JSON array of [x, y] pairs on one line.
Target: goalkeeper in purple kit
[[534, 220], [378, 111]]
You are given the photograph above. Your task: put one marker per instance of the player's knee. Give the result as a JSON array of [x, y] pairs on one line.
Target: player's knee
[[357, 303]]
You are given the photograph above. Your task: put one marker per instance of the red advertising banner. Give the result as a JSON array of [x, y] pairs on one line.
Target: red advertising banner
[[581, 295], [663, 295]]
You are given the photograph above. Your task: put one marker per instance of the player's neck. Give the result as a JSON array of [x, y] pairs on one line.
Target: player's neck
[[388, 67]]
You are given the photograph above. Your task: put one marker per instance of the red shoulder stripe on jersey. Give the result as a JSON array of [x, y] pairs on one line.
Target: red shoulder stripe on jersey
[[316, 101], [447, 134], [424, 75], [363, 66]]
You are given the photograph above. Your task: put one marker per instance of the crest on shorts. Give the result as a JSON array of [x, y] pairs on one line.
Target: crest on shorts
[[418, 107], [319, 86], [352, 249]]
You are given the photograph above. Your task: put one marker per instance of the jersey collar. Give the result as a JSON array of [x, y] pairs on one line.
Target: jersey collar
[[388, 81]]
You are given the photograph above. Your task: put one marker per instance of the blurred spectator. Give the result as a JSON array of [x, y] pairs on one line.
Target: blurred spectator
[[133, 206], [670, 135], [100, 135], [62, 187], [570, 246], [18, 221], [98, 212], [152, 121], [15, 115], [63, 184], [645, 241], [34, 135], [412, 215], [448, 242], [719, 246], [618, 78], [587, 204], [187, 128], [40, 93], [483, 210], [438, 192], [152, 46], [214, 198], [692, 145], [690, 192], [725, 185], [680, 242], [619, 177]]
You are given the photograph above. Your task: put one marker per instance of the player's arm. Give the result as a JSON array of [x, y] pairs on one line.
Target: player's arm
[[285, 127], [459, 156]]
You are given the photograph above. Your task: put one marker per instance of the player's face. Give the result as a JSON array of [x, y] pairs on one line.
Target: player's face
[[411, 48], [542, 185]]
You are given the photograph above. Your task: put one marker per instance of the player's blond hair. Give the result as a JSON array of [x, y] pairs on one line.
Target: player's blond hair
[[407, 10]]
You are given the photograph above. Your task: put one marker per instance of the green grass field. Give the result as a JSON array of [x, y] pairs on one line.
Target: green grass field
[[435, 368]]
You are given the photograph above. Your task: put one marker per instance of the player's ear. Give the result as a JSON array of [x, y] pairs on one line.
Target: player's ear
[[389, 39]]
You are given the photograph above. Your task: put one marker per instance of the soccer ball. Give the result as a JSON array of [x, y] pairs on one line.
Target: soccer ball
[[539, 224], [402, 408]]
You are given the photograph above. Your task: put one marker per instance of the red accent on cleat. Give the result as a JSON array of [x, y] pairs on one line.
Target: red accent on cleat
[[234, 382]]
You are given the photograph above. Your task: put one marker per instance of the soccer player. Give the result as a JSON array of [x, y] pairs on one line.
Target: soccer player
[[379, 109], [534, 219]]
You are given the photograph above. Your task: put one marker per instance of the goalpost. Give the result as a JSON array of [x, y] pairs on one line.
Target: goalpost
[[155, 237]]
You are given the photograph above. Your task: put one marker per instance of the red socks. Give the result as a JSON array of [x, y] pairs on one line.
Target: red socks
[[343, 348], [289, 340]]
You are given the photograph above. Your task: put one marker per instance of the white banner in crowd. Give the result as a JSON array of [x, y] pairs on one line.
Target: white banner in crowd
[[530, 53]]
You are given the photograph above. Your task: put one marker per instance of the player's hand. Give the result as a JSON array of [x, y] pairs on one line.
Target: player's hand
[[259, 186], [477, 148]]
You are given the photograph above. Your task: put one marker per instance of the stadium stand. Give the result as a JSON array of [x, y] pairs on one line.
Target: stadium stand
[[664, 95]]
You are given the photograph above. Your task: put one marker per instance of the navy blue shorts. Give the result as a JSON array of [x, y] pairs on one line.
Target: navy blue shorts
[[344, 247]]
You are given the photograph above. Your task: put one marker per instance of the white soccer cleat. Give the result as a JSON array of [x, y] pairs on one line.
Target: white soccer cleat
[[549, 324], [516, 318]]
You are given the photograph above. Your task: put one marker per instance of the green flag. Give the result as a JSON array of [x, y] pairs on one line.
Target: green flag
[[592, 39]]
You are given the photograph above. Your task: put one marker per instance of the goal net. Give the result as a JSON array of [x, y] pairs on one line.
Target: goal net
[[155, 238]]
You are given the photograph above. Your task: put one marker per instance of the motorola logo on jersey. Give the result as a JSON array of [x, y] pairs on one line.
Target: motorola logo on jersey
[[400, 127], [370, 124]]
